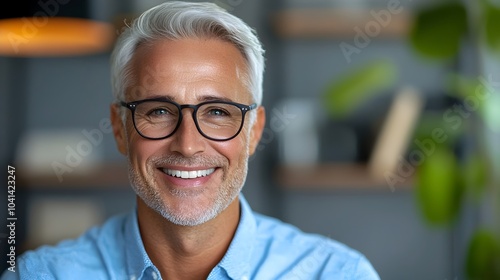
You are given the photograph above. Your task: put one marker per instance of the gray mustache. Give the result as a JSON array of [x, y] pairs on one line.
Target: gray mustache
[[201, 160]]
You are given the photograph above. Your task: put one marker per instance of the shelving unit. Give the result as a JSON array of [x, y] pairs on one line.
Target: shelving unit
[[343, 24], [334, 176]]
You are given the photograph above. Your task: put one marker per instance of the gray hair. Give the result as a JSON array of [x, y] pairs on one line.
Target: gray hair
[[176, 20]]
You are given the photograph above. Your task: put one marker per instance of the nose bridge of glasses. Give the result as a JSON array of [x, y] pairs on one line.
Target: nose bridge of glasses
[[192, 112], [188, 106]]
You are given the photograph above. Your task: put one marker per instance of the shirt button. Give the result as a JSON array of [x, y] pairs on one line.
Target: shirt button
[[155, 275], [244, 278]]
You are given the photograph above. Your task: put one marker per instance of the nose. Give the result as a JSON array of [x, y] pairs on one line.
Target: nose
[[187, 141]]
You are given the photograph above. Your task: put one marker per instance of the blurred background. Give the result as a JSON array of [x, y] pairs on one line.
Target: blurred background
[[382, 130]]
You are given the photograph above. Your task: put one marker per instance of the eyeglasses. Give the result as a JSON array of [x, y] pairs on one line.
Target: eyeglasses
[[159, 118]]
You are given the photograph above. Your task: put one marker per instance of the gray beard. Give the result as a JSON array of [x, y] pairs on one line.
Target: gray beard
[[227, 192]]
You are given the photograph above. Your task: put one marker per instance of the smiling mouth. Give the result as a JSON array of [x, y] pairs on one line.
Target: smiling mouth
[[188, 174]]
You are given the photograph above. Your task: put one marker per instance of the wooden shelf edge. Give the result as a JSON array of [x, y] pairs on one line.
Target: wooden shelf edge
[[103, 176], [327, 23], [335, 176]]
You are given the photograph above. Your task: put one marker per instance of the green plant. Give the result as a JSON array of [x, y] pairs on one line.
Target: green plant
[[343, 96], [446, 178]]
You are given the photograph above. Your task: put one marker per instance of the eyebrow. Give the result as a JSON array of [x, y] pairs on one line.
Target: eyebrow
[[201, 99], [214, 98]]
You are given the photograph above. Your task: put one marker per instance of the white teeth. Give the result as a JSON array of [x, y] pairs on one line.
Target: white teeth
[[188, 174]]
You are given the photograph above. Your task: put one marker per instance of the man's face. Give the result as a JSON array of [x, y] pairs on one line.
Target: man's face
[[187, 71]]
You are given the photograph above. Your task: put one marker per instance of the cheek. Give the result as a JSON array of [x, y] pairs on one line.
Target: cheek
[[141, 149], [234, 150]]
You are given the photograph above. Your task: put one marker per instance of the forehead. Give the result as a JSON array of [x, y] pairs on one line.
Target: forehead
[[188, 69]]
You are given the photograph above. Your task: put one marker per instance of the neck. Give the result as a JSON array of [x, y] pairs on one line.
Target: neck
[[186, 252]]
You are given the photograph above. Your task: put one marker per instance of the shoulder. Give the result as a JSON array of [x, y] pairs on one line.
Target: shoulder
[[74, 257], [305, 255]]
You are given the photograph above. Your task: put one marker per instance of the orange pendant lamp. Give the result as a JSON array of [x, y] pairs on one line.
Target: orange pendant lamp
[[52, 28]]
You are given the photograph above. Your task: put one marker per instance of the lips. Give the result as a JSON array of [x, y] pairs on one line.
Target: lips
[[192, 174]]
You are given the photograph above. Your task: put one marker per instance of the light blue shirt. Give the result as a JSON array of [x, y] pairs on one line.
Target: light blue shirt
[[262, 248]]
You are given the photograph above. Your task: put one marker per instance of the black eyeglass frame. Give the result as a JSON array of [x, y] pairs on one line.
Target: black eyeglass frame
[[244, 109]]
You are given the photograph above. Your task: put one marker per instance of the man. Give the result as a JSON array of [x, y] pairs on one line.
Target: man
[[187, 78]]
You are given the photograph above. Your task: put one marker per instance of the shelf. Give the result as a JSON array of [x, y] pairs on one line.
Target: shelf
[[334, 176], [105, 176], [327, 23]]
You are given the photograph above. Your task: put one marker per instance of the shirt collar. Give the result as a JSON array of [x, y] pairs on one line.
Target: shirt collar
[[138, 262], [235, 262]]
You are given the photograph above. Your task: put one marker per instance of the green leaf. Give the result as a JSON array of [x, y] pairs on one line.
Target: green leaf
[[437, 31], [482, 98], [475, 174], [461, 86], [471, 89], [343, 96], [434, 122], [492, 27], [483, 256], [438, 190]]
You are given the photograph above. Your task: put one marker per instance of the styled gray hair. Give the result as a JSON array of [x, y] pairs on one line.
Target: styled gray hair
[[177, 20]]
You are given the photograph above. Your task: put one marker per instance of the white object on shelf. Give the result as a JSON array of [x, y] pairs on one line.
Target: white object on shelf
[[60, 152], [298, 135], [394, 138]]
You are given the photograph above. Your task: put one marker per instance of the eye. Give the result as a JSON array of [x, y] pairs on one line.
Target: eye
[[218, 112], [158, 112]]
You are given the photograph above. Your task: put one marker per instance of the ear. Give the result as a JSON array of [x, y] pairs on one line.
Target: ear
[[257, 129], [119, 130]]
